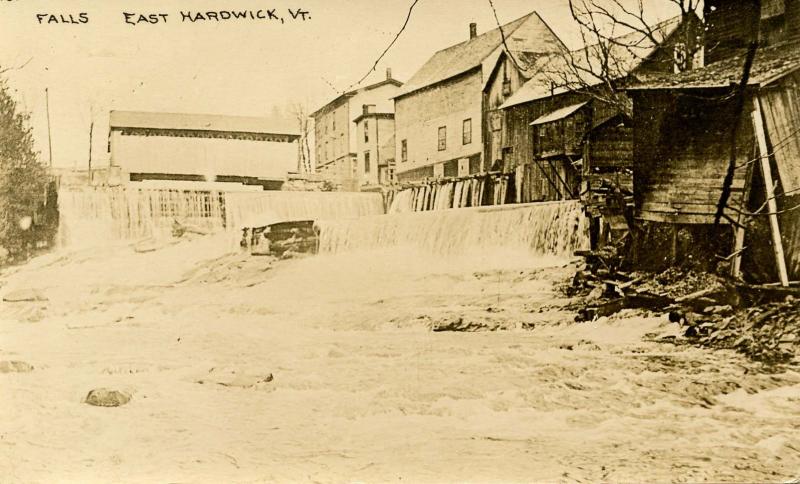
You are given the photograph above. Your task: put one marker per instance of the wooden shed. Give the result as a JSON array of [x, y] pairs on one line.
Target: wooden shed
[[683, 127]]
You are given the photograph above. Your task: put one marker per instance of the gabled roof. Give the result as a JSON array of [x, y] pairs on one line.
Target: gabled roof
[[203, 122], [526, 34], [338, 100], [558, 114], [563, 73], [770, 64]]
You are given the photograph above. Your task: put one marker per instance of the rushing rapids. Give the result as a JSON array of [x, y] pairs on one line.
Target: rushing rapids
[[97, 216], [552, 228], [261, 208]]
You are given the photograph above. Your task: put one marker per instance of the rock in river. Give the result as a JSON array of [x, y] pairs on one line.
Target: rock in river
[[102, 397], [15, 367]]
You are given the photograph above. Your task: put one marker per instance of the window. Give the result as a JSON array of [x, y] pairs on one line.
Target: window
[[366, 131], [333, 122], [506, 78], [366, 162], [466, 134], [442, 138], [404, 151]]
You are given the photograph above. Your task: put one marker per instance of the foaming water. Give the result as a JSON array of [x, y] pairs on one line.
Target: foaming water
[[542, 229], [253, 209], [91, 217]]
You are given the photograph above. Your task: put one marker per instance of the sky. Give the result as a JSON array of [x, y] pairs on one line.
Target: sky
[[236, 67]]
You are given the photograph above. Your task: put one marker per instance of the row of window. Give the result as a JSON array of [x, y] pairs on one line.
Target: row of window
[[466, 138], [466, 134]]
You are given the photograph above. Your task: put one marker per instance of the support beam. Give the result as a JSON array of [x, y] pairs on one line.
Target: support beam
[[738, 249], [772, 206]]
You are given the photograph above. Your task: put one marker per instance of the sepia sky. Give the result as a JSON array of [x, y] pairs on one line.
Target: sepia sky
[[240, 67]]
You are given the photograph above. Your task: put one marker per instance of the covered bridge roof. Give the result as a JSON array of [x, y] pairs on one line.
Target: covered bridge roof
[[203, 122]]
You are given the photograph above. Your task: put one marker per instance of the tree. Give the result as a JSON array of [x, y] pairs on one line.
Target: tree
[[300, 113], [23, 181], [618, 35]]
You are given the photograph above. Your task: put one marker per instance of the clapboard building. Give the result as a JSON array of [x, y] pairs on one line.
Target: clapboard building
[[444, 114], [336, 139], [730, 186], [172, 147]]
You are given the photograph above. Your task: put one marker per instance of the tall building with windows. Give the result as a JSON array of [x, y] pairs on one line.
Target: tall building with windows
[[336, 140], [375, 153], [443, 114]]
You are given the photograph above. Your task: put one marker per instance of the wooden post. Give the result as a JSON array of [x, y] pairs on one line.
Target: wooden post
[[91, 130], [736, 266], [49, 137], [772, 206]]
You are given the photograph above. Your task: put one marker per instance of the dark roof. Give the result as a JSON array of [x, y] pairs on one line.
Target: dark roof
[[526, 34], [628, 52], [203, 122], [771, 63], [374, 115], [338, 100]]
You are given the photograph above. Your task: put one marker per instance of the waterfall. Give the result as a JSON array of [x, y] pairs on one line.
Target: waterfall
[[91, 217], [261, 208], [553, 228], [458, 193]]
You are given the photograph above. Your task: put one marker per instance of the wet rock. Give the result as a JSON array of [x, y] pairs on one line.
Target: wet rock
[[15, 367], [235, 378], [25, 295], [461, 324], [102, 397]]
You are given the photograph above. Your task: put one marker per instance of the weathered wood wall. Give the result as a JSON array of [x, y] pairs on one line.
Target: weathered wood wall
[[781, 106], [610, 147], [682, 152], [494, 96], [519, 131]]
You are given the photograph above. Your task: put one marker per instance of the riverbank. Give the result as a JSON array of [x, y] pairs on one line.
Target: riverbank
[[363, 388]]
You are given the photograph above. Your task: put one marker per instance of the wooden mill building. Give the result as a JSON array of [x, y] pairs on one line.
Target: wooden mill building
[[685, 147], [446, 115]]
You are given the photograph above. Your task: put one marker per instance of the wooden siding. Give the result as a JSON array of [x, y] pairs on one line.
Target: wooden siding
[[781, 107], [562, 137], [519, 131], [793, 20], [419, 115], [681, 156], [729, 23], [504, 81], [544, 181], [610, 146]]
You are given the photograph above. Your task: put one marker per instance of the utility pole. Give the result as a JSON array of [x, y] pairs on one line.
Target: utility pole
[[49, 137], [91, 128]]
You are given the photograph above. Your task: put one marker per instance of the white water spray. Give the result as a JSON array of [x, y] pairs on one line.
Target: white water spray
[[554, 228], [92, 217]]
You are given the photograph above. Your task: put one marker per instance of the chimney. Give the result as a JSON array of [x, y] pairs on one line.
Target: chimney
[[388, 73], [473, 30]]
